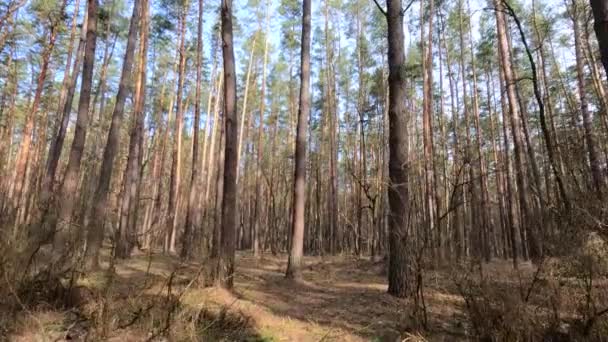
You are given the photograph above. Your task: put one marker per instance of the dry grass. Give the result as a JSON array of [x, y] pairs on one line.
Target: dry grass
[[159, 298]]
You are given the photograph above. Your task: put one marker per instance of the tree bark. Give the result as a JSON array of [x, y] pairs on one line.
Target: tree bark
[[64, 108], [192, 223], [518, 143], [427, 113], [594, 162], [175, 180], [294, 263], [96, 225], [127, 233], [23, 155], [225, 267], [63, 230], [257, 225], [398, 191]]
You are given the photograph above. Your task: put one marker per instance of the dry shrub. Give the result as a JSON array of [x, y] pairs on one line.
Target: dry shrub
[[497, 315], [544, 306]]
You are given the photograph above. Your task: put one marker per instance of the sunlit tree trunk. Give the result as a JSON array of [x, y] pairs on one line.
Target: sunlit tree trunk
[[225, 269], [590, 139], [427, 127], [96, 225], [516, 130], [72, 175], [399, 270], [257, 224], [294, 263], [65, 106], [23, 155], [175, 179], [127, 233], [192, 222], [332, 199]]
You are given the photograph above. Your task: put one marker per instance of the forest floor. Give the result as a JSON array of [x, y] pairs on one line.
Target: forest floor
[[340, 299]]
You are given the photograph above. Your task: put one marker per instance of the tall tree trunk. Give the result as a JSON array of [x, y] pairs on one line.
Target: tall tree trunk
[[362, 185], [511, 203], [594, 162], [192, 223], [211, 163], [6, 135], [454, 202], [399, 271], [558, 172], [23, 156], [65, 107], [518, 143], [127, 232], [427, 113], [225, 269], [244, 112], [245, 241], [63, 231], [218, 183], [294, 263], [174, 188], [257, 225], [498, 166], [96, 225], [486, 210], [476, 211], [332, 200]]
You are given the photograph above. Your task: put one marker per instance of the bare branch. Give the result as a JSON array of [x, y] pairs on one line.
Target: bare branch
[[380, 8]]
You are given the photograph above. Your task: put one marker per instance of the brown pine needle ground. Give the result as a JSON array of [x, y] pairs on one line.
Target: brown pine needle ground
[[158, 298]]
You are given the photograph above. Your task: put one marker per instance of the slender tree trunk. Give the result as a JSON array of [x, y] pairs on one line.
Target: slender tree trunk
[[219, 191], [65, 107], [260, 148], [486, 210], [518, 143], [498, 166], [204, 167], [127, 233], [174, 188], [332, 200], [225, 269], [211, 163], [455, 202], [427, 112], [23, 156], [244, 112], [151, 214], [96, 225], [6, 137], [476, 212], [398, 192], [511, 207], [72, 175], [594, 162], [558, 172], [294, 263], [191, 227]]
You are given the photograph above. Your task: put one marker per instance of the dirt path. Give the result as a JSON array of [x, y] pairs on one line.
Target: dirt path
[[340, 299]]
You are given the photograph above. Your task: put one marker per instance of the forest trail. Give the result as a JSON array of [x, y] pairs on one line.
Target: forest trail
[[340, 299]]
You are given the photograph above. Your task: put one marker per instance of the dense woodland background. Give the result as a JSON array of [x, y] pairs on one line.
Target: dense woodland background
[[462, 138]]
